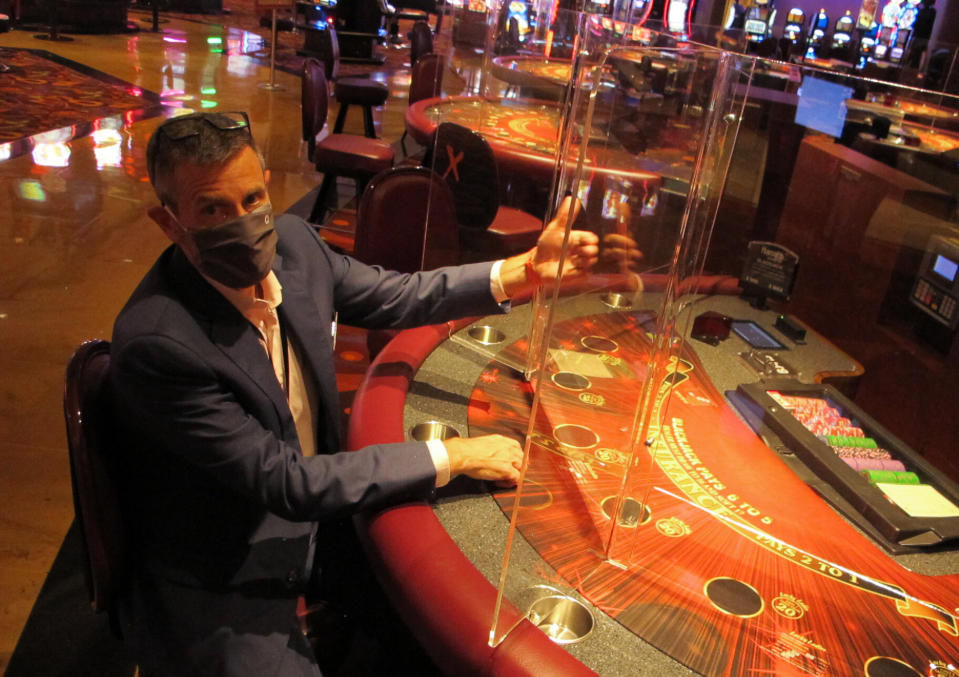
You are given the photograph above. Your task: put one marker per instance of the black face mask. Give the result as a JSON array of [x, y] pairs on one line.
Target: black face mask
[[238, 253]]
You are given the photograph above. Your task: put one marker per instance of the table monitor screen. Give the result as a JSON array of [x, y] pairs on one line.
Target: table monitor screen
[[822, 105], [755, 26], [945, 268], [755, 336]]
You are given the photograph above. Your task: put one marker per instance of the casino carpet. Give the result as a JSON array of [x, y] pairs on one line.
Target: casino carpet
[[42, 92]]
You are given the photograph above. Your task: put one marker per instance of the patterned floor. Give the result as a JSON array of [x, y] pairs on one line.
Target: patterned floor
[[41, 92]]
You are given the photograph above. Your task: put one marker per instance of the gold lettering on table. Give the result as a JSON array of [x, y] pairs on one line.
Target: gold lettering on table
[[675, 457], [789, 606], [592, 398]]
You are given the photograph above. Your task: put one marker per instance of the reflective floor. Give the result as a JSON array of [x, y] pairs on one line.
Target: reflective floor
[[75, 241]]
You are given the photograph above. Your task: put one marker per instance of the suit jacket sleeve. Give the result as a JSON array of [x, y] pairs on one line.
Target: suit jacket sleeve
[[171, 393], [375, 298]]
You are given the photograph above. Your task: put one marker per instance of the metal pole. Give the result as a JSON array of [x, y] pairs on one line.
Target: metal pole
[[272, 83]]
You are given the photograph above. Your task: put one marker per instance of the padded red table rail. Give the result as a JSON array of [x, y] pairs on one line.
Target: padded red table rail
[[444, 600]]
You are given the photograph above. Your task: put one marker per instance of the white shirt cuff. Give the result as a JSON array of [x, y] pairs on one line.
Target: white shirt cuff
[[496, 283], [441, 460]]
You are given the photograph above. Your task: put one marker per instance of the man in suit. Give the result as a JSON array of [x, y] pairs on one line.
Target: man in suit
[[224, 387]]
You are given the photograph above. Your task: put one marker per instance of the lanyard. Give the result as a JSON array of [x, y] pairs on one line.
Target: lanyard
[[284, 347]]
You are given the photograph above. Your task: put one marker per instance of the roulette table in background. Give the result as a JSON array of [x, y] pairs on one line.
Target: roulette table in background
[[743, 570]]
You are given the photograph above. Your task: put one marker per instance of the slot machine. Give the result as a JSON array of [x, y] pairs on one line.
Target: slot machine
[[867, 44], [519, 10], [817, 33], [907, 15], [889, 24], [897, 50], [759, 21], [795, 25], [887, 34], [842, 36], [868, 31], [679, 14]]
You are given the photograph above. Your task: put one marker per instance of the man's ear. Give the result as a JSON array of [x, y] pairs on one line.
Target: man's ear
[[266, 176], [162, 218]]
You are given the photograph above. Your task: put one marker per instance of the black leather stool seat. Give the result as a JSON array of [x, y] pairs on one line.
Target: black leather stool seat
[[361, 91], [351, 155]]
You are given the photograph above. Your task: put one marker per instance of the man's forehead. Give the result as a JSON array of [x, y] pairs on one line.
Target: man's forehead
[[241, 171]]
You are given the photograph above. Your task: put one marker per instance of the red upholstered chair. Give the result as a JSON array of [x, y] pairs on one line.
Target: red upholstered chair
[[420, 236], [353, 91], [87, 410], [421, 41], [350, 155], [426, 81], [466, 162]]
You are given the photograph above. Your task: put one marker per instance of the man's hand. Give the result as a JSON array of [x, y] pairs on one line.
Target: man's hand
[[583, 247], [491, 457], [582, 252], [620, 252]]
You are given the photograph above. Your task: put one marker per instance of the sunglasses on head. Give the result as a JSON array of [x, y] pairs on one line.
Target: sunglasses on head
[[179, 128]]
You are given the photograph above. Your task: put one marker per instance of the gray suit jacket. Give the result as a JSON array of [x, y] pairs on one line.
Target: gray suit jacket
[[227, 512]]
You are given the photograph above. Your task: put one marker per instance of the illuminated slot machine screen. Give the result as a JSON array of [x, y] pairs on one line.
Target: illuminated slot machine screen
[[887, 34], [519, 10], [795, 21], [677, 14], [898, 50], [756, 28]]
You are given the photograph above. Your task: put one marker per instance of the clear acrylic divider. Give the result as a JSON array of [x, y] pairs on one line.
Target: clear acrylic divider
[[650, 134]]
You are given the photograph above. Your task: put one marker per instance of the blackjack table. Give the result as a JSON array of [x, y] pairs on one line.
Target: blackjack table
[[743, 562], [543, 77], [523, 134], [920, 111]]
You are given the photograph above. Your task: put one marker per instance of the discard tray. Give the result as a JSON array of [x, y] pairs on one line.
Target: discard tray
[[761, 407]]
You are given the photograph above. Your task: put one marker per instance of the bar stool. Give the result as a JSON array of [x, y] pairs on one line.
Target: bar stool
[[350, 155], [353, 91]]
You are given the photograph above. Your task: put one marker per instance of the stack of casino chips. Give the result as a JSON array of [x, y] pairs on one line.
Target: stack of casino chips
[[847, 440]]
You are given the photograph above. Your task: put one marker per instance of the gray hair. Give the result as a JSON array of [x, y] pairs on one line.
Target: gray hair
[[200, 139]]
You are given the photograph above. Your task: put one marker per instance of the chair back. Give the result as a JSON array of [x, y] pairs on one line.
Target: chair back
[[426, 78], [421, 235], [421, 41], [314, 101], [89, 419], [464, 159]]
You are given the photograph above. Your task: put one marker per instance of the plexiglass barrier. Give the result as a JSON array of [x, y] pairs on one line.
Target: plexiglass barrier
[[774, 309]]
